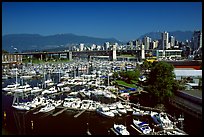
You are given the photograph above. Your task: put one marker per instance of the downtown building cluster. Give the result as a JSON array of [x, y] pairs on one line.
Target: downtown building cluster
[[166, 43]]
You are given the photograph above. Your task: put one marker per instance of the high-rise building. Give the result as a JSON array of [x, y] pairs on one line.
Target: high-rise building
[[172, 41], [155, 44], [165, 40], [196, 40], [106, 45], [130, 43], [146, 42], [81, 47]]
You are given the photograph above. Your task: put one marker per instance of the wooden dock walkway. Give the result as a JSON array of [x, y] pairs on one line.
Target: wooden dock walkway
[[116, 133], [77, 115], [59, 112], [136, 129]]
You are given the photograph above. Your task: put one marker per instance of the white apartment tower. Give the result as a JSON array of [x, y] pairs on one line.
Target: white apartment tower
[[81, 47], [106, 45], [165, 40], [172, 41], [146, 42]]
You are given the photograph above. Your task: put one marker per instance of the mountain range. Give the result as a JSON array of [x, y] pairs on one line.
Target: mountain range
[[25, 42]]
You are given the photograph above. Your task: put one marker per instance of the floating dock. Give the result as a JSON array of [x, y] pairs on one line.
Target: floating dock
[[136, 129], [59, 112], [77, 115], [116, 133]]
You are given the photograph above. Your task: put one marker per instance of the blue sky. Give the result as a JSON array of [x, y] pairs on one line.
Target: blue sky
[[121, 20]]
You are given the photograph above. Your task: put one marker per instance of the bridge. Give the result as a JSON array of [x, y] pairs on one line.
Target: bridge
[[71, 54]]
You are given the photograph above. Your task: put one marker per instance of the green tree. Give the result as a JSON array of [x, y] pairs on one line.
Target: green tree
[[146, 65], [132, 75], [128, 76], [115, 75], [4, 51], [161, 81]]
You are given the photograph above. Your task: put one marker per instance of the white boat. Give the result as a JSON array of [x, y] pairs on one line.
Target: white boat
[[50, 91], [49, 107], [166, 122], [113, 109], [4, 76], [142, 126], [120, 108], [61, 84], [36, 90], [128, 107], [26, 77], [120, 129], [76, 103], [49, 82], [68, 102], [85, 104], [57, 103], [105, 111], [94, 105], [11, 88], [137, 112], [20, 106], [38, 100], [65, 89], [23, 88]]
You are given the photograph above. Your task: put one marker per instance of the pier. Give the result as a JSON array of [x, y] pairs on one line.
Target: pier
[[111, 129], [77, 115], [136, 129], [59, 112], [33, 109]]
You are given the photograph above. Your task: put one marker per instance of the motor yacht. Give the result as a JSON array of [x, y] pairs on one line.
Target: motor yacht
[[121, 129]]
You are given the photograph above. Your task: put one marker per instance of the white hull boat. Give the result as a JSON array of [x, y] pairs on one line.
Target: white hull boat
[[121, 129]]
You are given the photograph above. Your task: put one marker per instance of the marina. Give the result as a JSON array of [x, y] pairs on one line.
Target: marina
[[87, 101]]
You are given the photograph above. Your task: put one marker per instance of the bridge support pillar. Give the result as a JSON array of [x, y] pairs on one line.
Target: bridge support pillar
[[89, 58], [41, 57], [113, 56], [70, 55], [143, 52]]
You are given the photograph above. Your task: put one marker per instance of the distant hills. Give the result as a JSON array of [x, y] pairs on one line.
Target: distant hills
[[179, 35], [38, 42], [25, 42]]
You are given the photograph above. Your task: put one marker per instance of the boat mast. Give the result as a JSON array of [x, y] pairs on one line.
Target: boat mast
[[16, 77]]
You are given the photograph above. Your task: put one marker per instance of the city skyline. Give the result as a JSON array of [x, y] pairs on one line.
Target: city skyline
[[121, 20]]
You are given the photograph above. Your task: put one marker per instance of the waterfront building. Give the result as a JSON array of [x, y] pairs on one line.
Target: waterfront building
[[168, 53]]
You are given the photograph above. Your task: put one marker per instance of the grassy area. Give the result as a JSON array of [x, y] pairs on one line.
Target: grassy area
[[123, 83]]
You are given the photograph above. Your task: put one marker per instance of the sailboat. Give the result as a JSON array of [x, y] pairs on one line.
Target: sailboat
[[12, 87], [17, 105]]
